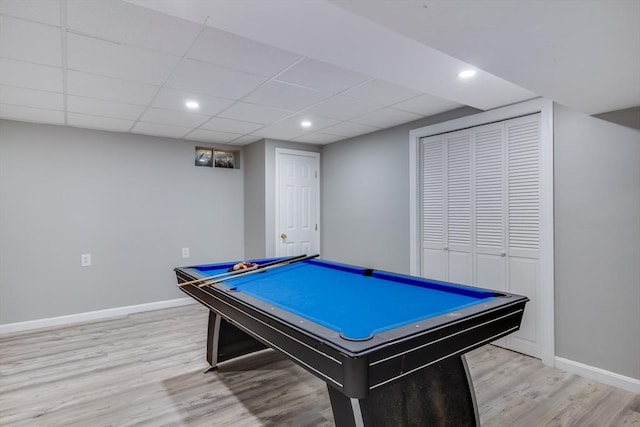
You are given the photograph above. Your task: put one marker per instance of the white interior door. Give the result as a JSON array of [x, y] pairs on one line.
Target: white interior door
[[297, 202]]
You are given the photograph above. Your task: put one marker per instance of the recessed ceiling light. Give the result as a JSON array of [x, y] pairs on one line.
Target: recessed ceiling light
[[466, 74], [192, 105], [305, 123]]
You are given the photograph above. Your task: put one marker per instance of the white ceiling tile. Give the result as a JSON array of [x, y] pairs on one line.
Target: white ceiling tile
[[172, 99], [116, 60], [99, 107], [342, 108], [199, 77], [96, 122], [380, 92], [26, 114], [318, 138], [157, 129], [244, 140], [321, 76], [317, 122], [92, 86], [46, 11], [228, 125], [135, 25], [230, 50], [254, 113], [427, 105], [32, 76], [31, 98], [204, 135], [285, 96], [29, 41], [386, 117], [174, 118], [349, 129], [278, 131]]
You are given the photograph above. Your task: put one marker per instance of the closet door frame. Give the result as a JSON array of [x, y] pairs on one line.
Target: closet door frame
[[545, 314]]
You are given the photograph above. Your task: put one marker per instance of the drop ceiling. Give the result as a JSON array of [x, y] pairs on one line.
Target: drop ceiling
[[256, 68]]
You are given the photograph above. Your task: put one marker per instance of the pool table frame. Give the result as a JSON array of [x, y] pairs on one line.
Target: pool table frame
[[366, 378]]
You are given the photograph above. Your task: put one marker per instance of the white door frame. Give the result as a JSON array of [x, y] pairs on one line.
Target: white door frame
[[545, 315], [279, 151]]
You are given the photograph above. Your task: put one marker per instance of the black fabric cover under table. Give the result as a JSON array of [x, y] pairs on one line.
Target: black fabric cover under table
[[439, 395]]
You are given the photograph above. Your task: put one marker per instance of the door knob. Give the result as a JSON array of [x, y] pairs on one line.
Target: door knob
[[283, 236]]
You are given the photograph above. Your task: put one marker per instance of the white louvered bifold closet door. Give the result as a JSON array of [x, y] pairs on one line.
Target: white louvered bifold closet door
[[480, 190], [433, 207], [523, 175], [490, 207], [458, 220]]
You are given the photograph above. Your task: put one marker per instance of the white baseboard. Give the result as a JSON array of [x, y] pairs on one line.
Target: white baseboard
[[597, 374], [92, 315]]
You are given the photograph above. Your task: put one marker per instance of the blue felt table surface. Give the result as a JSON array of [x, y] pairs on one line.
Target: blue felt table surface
[[355, 305]]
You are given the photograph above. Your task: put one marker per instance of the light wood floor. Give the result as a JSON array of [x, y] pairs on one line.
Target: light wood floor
[[146, 369]]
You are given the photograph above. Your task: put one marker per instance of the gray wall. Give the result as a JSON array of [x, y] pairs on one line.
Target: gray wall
[[254, 200], [131, 201], [597, 242], [365, 196]]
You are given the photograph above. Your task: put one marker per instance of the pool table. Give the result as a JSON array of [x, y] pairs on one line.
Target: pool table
[[390, 347]]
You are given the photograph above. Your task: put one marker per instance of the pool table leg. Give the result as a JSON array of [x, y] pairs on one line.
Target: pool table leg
[[471, 390], [441, 394], [213, 335], [226, 341]]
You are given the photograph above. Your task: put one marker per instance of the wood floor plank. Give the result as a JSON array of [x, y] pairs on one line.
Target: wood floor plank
[[146, 369]]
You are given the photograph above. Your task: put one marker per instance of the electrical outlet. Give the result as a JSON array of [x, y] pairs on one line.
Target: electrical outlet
[[185, 252], [85, 260]]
